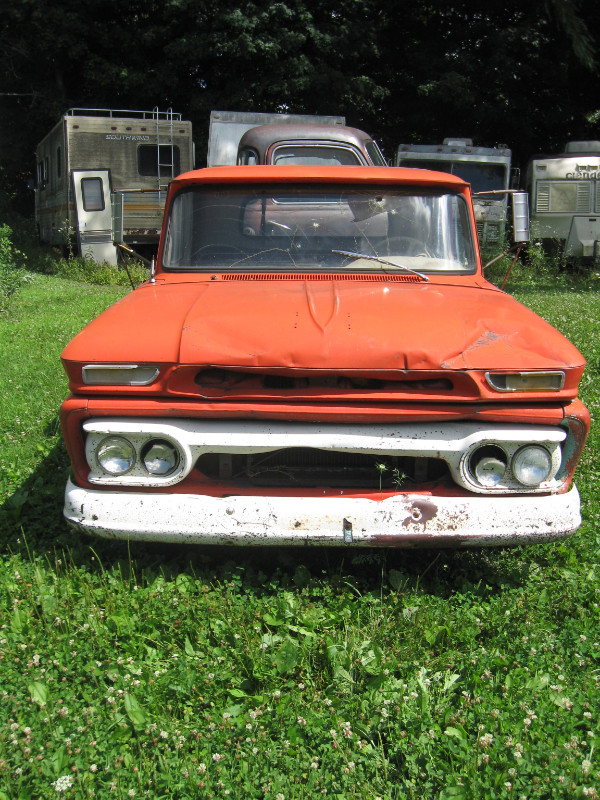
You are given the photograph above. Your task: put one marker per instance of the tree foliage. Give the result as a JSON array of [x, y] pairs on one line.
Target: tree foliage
[[503, 71]]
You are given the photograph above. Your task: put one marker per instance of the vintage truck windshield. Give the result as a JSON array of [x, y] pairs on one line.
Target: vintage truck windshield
[[304, 227]]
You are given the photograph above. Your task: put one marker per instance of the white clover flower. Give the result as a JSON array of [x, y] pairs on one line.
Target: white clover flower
[[62, 784], [201, 768], [586, 766], [217, 757]]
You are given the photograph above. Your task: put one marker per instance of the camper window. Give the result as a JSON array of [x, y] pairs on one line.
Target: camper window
[[42, 174], [93, 196], [164, 163]]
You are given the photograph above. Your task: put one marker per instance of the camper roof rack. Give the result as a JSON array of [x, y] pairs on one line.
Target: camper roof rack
[[121, 112]]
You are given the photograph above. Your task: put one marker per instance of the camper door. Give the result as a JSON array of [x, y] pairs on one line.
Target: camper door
[[91, 192]]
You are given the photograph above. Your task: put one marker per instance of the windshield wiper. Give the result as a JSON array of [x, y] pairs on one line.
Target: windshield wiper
[[350, 254]]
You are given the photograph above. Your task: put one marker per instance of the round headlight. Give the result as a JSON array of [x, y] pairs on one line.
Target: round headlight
[[488, 465], [115, 455], [160, 457], [532, 465]]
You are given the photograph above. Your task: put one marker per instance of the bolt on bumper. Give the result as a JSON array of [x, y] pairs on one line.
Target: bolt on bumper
[[407, 520]]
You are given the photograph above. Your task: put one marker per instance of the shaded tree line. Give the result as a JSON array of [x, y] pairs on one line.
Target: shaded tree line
[[523, 74]]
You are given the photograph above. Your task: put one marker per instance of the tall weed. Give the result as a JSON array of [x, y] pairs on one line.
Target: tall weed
[[12, 275]]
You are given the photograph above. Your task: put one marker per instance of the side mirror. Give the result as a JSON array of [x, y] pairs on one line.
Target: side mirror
[[520, 211]]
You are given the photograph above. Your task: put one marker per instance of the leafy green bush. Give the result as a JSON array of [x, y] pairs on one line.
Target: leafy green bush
[[11, 273]]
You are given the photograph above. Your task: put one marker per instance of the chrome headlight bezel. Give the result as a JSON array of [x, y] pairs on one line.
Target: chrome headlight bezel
[[507, 451], [137, 474]]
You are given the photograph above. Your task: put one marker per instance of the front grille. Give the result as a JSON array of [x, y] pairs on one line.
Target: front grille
[[299, 467], [223, 379]]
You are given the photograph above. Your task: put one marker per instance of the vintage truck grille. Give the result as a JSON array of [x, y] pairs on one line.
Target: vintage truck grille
[[304, 467]]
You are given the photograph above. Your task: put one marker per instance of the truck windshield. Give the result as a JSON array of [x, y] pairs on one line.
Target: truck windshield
[[304, 228]]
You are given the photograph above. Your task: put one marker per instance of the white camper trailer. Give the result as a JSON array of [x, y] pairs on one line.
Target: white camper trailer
[[564, 191], [102, 175], [487, 169]]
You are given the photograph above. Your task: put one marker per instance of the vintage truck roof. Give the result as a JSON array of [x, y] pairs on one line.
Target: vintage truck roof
[[310, 174], [265, 135]]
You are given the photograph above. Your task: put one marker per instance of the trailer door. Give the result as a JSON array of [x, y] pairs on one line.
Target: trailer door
[[93, 213]]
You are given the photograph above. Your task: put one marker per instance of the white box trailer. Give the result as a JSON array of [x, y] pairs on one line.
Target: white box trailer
[[102, 175], [564, 191], [487, 169]]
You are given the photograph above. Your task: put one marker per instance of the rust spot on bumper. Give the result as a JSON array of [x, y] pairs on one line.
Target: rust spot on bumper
[[421, 513]]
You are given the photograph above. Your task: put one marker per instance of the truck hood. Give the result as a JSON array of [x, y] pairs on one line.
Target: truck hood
[[332, 325]]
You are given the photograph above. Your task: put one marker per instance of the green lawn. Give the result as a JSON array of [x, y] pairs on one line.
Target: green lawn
[[199, 672]]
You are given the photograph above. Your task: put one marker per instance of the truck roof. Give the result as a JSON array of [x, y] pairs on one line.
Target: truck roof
[[314, 174], [265, 135]]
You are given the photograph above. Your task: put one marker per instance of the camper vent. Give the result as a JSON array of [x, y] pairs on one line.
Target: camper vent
[[584, 197], [542, 201]]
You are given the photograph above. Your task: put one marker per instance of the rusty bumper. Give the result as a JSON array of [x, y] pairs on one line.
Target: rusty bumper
[[407, 520]]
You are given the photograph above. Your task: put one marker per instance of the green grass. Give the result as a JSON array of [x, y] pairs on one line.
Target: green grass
[[223, 672]]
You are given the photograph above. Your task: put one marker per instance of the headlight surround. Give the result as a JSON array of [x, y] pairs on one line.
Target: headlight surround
[[160, 457], [532, 465], [115, 455]]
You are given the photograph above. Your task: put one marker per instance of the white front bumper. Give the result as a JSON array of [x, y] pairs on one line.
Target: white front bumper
[[408, 520]]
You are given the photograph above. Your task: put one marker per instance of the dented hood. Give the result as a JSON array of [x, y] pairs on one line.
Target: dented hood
[[334, 325]]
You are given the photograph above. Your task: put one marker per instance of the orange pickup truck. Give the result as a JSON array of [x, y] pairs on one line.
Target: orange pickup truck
[[318, 359]]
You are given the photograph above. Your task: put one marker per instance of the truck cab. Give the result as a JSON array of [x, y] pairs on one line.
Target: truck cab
[[317, 145]]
